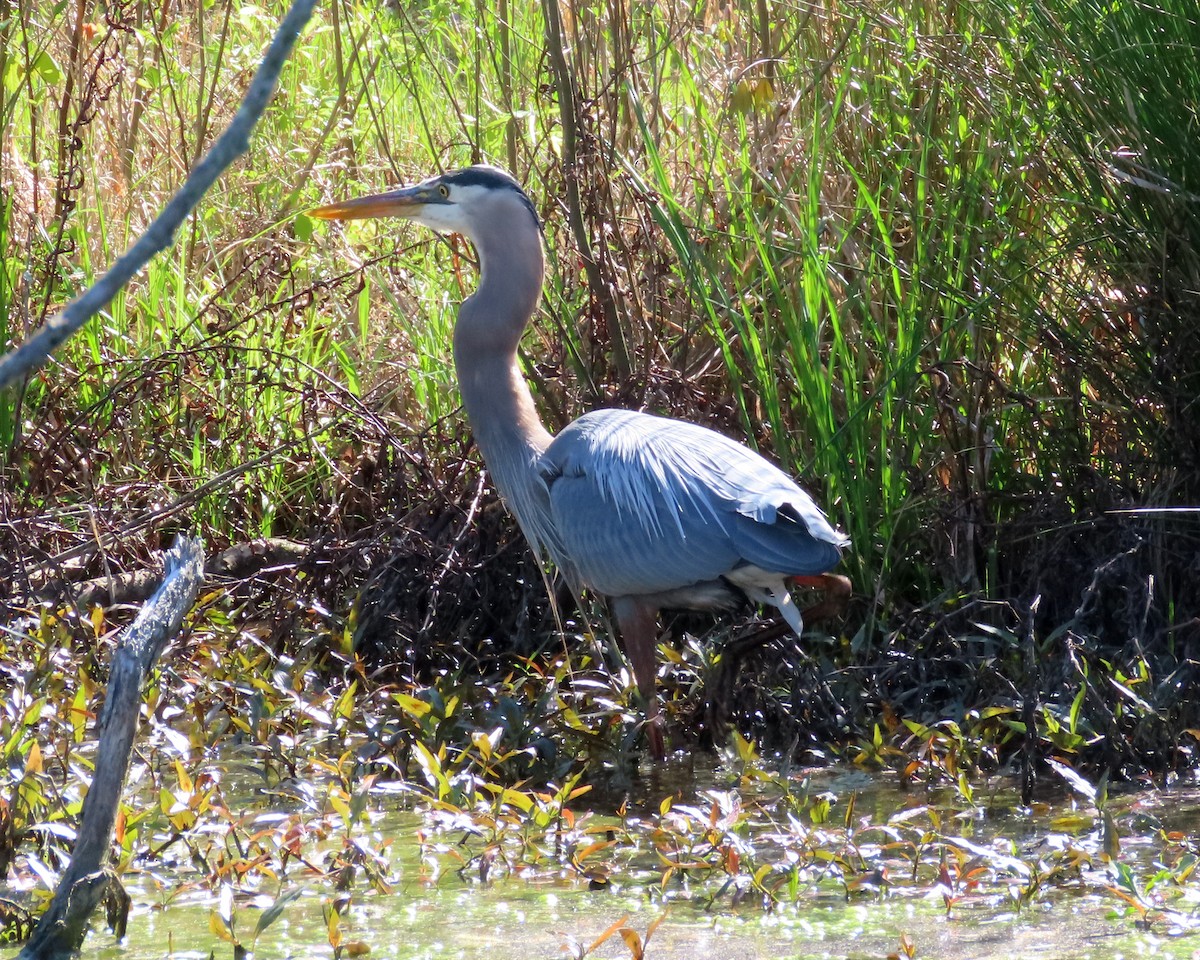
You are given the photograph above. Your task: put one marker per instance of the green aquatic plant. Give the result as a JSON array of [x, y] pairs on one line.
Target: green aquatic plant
[[223, 919]]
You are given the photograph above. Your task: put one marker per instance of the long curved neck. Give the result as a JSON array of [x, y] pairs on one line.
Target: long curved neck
[[490, 322]]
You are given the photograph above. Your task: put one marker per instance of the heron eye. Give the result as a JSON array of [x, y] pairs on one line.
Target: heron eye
[[443, 191]]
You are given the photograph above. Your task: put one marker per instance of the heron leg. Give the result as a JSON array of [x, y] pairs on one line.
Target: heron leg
[[637, 623]]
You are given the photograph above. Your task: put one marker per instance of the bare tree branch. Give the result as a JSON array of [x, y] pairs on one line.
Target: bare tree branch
[[86, 881], [161, 233]]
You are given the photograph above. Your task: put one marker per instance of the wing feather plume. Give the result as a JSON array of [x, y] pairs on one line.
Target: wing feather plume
[[642, 504]]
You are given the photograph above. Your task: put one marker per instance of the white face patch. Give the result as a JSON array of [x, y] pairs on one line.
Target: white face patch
[[452, 217], [444, 218]]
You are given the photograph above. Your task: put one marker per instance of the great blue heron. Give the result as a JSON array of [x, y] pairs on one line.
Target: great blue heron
[[649, 512]]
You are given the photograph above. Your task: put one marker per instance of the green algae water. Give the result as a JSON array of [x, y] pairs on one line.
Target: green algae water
[[515, 921], [834, 864]]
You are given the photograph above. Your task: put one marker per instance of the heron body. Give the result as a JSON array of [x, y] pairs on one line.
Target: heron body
[[650, 512]]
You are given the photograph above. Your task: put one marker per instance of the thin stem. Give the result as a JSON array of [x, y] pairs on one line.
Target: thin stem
[[161, 233]]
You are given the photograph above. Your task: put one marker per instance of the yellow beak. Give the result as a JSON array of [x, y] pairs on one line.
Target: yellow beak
[[405, 202]]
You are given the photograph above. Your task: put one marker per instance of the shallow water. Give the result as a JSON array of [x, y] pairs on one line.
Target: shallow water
[[516, 921], [541, 911]]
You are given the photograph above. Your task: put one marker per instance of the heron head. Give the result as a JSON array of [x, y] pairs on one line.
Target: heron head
[[471, 201]]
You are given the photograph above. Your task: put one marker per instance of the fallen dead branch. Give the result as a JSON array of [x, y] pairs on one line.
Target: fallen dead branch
[[237, 562], [86, 882]]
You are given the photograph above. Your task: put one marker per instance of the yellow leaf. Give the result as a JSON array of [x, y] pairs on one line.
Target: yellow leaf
[[411, 705], [745, 748], [219, 929], [482, 742], [79, 715], [334, 929], [339, 804], [764, 93], [517, 799], [345, 703], [34, 713], [742, 98], [33, 762], [571, 719], [633, 942], [185, 782]]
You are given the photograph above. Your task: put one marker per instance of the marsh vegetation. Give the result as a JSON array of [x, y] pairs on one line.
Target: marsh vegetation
[[938, 261]]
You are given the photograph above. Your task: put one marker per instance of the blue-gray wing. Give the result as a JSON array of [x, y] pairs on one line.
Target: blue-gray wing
[[642, 504]]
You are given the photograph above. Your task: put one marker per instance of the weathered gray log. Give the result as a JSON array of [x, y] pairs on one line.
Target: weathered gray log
[[134, 586], [86, 883], [161, 233]]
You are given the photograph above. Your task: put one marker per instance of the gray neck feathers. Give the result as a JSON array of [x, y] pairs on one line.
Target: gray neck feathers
[[498, 403]]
